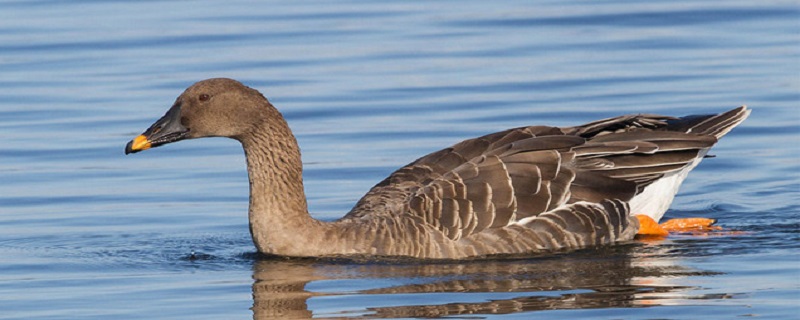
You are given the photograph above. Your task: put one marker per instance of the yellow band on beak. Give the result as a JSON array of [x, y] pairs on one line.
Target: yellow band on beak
[[140, 143]]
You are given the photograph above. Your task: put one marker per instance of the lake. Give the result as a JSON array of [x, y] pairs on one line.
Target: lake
[[89, 233]]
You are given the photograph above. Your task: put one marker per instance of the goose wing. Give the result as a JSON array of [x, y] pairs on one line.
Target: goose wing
[[479, 183], [514, 176]]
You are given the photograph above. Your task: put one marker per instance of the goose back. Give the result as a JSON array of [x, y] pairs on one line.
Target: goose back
[[514, 179]]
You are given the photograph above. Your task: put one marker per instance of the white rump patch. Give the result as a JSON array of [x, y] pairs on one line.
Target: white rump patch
[[656, 198]]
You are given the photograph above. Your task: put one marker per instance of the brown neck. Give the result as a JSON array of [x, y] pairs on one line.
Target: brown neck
[[279, 219]]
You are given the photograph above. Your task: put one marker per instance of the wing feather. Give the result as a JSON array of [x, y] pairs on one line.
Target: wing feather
[[554, 187]]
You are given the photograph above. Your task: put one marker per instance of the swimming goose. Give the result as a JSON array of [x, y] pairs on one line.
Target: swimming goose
[[519, 191]]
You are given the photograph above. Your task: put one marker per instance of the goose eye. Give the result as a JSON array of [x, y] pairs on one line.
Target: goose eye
[[204, 97]]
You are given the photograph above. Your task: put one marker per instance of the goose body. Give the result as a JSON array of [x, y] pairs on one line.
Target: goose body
[[519, 191]]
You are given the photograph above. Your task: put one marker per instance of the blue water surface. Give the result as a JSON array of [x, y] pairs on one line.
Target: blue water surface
[[89, 233]]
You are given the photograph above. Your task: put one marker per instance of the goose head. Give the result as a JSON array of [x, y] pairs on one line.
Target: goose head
[[217, 107]]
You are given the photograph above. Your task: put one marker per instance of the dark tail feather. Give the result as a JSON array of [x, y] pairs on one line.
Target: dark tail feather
[[715, 125]]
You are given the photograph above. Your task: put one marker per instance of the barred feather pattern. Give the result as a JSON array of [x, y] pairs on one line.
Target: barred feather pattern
[[533, 189]]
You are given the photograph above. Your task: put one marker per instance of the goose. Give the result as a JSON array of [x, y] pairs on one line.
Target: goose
[[526, 190]]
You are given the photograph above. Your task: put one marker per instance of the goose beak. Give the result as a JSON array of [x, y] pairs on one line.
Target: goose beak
[[138, 144], [166, 130]]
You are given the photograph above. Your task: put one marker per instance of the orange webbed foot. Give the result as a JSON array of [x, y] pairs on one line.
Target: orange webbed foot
[[649, 227], [690, 225]]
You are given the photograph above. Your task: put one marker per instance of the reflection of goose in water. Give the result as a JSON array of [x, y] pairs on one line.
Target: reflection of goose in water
[[610, 277]]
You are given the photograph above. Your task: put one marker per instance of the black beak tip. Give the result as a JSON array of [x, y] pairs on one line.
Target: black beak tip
[[129, 148]]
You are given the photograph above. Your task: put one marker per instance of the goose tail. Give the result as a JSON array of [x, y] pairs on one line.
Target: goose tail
[[716, 125]]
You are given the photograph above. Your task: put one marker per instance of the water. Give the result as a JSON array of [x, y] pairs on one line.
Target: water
[[88, 233]]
